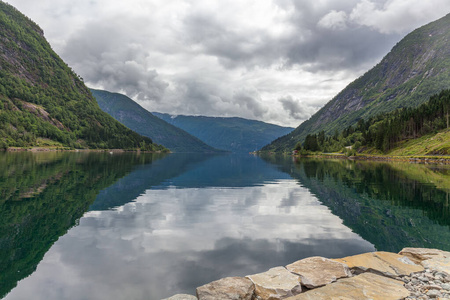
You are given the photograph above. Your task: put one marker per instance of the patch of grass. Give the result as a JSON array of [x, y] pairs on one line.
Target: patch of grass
[[433, 144]]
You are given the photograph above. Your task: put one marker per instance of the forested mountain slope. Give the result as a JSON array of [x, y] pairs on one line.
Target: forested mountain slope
[[134, 116], [231, 134], [416, 68], [43, 102]]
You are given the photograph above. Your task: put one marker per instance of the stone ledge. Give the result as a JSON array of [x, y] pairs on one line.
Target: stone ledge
[[414, 273]]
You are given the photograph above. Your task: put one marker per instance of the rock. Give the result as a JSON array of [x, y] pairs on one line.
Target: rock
[[446, 286], [182, 297], [433, 293], [418, 255], [232, 288], [432, 287], [277, 283], [360, 287], [385, 263], [439, 263], [318, 271]]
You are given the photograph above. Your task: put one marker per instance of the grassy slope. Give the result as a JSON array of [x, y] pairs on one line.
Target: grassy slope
[[435, 144]]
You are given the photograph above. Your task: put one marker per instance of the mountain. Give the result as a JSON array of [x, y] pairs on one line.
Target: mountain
[[416, 68], [134, 116], [231, 134], [43, 102]]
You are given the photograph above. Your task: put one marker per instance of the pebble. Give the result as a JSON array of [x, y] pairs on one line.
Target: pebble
[[427, 285]]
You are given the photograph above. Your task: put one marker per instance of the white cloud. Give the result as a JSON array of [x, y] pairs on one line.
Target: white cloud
[[398, 16], [334, 20], [233, 58]]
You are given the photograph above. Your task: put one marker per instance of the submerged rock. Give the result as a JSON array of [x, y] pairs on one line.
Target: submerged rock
[[277, 283], [319, 271], [230, 288]]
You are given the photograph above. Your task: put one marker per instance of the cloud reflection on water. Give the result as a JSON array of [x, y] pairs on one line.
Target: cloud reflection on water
[[171, 240]]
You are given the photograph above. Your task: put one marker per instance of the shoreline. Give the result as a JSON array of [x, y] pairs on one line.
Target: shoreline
[[411, 159], [420, 159], [63, 149], [413, 273]]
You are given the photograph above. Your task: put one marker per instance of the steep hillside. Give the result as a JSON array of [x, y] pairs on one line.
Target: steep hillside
[[416, 68], [134, 116], [231, 134], [43, 102]]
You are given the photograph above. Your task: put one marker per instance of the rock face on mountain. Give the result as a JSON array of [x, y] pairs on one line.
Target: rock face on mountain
[[43, 102], [134, 116], [416, 68], [237, 135]]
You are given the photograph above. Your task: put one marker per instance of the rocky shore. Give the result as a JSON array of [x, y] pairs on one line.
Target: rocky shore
[[442, 160], [413, 273]]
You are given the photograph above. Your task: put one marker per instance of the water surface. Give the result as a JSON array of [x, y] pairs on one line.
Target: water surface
[[100, 226]]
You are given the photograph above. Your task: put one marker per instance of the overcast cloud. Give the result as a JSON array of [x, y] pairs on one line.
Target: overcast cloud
[[277, 61]]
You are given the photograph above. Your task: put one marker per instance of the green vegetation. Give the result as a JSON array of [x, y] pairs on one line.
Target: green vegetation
[[407, 131], [415, 69], [134, 116], [231, 134], [43, 102]]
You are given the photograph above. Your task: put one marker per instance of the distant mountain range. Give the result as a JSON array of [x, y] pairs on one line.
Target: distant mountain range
[[416, 68], [134, 116], [231, 134], [43, 102]]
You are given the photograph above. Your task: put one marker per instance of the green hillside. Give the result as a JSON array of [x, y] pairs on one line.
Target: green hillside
[[407, 131], [231, 134], [134, 116], [416, 68], [43, 102]]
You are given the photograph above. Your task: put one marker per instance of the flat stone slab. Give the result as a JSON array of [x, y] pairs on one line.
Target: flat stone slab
[[385, 263], [361, 287], [277, 283], [230, 288], [429, 258], [417, 255], [182, 297], [319, 271]]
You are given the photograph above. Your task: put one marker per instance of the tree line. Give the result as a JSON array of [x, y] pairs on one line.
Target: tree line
[[385, 131]]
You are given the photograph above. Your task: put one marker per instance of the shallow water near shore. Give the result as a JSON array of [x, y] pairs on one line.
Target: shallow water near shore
[[129, 226]]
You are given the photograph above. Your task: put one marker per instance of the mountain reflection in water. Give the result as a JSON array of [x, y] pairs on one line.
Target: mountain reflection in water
[[162, 225]]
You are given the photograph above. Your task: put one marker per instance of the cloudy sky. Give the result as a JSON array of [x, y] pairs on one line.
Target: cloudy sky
[[277, 61]]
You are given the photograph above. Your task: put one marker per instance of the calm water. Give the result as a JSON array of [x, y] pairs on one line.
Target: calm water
[[100, 226]]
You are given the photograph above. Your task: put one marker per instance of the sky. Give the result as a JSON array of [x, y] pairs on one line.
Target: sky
[[277, 61]]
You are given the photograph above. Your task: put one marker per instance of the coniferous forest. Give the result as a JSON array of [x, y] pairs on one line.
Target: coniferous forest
[[386, 131]]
